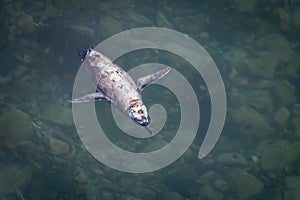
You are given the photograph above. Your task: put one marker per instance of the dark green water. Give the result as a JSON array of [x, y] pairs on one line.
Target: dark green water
[[255, 45]]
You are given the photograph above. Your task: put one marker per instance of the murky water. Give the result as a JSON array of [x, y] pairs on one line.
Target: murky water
[[255, 45]]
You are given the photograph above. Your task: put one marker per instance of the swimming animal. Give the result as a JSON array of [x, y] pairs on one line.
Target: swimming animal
[[116, 86]]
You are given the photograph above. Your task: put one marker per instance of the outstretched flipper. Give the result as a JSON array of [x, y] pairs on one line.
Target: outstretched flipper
[[98, 96], [147, 80]]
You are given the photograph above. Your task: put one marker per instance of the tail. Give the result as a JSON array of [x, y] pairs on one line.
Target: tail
[[82, 52]]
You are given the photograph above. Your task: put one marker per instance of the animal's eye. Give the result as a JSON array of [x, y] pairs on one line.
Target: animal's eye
[[140, 111]]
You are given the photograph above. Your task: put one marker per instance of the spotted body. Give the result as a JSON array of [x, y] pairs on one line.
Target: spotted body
[[116, 86]]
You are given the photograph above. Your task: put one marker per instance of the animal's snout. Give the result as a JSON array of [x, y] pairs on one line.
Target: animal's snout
[[144, 122]]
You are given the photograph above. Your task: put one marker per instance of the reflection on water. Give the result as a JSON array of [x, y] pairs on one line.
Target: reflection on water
[[255, 45]]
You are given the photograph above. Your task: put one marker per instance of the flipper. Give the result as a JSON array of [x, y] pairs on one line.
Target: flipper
[[98, 96], [146, 80]]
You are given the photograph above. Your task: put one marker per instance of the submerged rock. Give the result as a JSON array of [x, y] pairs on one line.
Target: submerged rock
[[142, 192], [270, 51], [277, 45], [111, 26], [15, 126], [278, 155], [58, 147], [208, 192], [246, 6], [293, 186], [58, 114], [81, 175], [252, 120], [137, 19], [108, 6], [264, 65], [231, 159], [172, 196], [245, 183], [26, 23], [296, 125], [259, 99], [285, 19], [296, 109], [221, 185], [281, 115], [13, 177], [293, 67], [162, 21], [296, 19], [285, 92], [209, 176]]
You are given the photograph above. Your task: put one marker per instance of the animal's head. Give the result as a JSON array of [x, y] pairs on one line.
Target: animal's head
[[138, 113]]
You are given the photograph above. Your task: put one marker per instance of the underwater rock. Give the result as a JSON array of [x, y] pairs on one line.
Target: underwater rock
[[137, 19], [296, 19], [108, 6], [58, 147], [28, 146], [15, 126], [296, 126], [195, 23], [274, 151], [13, 177], [293, 186], [277, 45], [207, 177], [83, 30], [264, 84], [172, 196], [204, 36], [58, 114], [262, 66], [221, 185], [296, 109], [236, 57], [162, 21], [142, 192], [18, 73], [47, 184], [270, 51], [208, 192], [293, 182], [281, 115], [246, 6], [293, 67], [81, 176], [260, 100], [245, 183], [236, 99], [50, 11], [231, 159], [252, 120], [285, 92], [285, 19], [110, 25], [26, 23]]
